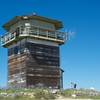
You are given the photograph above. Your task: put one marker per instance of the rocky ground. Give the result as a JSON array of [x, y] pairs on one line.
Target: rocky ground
[[63, 98], [47, 94], [72, 99]]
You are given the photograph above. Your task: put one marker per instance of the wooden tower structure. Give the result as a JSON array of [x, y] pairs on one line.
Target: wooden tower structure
[[33, 51]]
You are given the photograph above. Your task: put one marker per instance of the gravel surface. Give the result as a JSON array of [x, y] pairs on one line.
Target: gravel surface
[[72, 99], [62, 98]]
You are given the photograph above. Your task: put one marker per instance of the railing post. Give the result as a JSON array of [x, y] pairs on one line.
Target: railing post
[[65, 36], [47, 34], [56, 34], [38, 31]]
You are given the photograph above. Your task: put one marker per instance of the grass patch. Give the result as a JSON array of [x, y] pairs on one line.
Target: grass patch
[[46, 94]]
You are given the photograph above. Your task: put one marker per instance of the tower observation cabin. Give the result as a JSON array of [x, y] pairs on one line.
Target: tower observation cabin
[[33, 51]]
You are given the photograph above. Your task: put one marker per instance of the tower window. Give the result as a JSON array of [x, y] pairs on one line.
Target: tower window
[[17, 31], [16, 50]]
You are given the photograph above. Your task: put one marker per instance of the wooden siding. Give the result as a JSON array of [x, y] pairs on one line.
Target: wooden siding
[[39, 64]]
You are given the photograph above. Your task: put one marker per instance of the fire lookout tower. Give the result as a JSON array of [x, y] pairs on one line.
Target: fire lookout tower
[[33, 51]]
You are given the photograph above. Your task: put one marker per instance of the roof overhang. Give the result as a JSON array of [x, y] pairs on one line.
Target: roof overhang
[[58, 24]]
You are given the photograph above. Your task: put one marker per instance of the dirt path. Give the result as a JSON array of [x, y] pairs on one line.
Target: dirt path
[[62, 98], [72, 99]]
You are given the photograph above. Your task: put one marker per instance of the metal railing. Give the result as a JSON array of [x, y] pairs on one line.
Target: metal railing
[[33, 32], [8, 37]]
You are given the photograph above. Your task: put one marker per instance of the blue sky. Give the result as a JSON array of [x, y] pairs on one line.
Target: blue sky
[[80, 56]]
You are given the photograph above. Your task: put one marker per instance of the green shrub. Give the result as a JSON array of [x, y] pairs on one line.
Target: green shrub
[[67, 93], [43, 94]]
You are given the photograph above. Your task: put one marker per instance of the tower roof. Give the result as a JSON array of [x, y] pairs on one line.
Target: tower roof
[[58, 24]]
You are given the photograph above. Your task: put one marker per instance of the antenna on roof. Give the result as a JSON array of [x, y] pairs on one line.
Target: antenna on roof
[[70, 34]]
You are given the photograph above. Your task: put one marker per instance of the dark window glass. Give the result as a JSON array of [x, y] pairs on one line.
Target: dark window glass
[[16, 50], [17, 31], [10, 51]]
